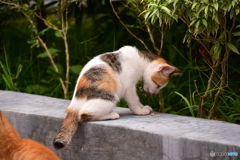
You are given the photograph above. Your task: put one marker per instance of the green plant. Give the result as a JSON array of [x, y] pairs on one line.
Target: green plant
[[96, 29], [210, 23], [190, 104], [60, 30], [7, 75]]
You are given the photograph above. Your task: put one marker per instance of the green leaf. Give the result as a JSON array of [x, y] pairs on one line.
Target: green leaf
[[187, 102], [216, 18], [53, 52], [166, 9], [233, 48], [236, 34], [42, 55], [57, 34], [43, 31], [237, 11], [194, 4], [36, 89], [206, 11], [193, 22], [19, 70], [215, 52], [204, 22], [76, 69], [146, 16], [215, 5], [7, 78]]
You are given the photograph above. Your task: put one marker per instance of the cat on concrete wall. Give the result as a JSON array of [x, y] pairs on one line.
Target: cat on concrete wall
[[105, 80]]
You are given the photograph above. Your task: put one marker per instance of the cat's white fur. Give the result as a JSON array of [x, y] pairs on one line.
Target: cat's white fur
[[134, 67]]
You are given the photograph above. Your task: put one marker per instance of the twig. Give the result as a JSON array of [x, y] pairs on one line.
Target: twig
[[149, 30], [163, 30], [140, 40], [228, 38], [64, 36]]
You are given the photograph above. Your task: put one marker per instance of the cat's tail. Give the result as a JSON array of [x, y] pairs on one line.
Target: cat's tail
[[67, 130]]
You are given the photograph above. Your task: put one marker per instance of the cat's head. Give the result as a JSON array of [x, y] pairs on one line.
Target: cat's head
[[157, 75]]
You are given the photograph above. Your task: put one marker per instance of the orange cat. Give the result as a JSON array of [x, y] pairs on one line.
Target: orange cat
[[13, 147]]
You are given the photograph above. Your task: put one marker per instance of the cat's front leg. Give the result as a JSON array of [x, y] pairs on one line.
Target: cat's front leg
[[134, 104]]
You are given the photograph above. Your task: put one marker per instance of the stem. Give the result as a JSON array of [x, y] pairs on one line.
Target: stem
[[43, 44], [161, 102], [151, 37], [64, 32], [149, 30], [140, 40], [163, 30], [203, 98], [228, 39]]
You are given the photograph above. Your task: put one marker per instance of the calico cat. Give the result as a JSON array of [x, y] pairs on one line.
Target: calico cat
[[12, 147], [107, 78]]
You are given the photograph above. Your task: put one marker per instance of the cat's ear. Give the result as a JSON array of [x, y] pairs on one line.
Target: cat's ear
[[177, 72], [168, 70]]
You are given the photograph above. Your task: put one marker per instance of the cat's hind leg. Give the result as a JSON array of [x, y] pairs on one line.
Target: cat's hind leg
[[91, 110], [98, 109]]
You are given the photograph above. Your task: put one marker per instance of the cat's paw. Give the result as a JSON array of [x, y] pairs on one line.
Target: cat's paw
[[144, 110], [112, 115], [148, 108]]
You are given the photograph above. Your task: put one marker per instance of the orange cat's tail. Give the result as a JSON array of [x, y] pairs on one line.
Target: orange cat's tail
[[67, 130]]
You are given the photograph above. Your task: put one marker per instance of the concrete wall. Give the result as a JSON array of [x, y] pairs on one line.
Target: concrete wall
[[132, 137]]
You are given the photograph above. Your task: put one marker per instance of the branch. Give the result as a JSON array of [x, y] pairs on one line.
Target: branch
[[163, 30], [149, 31], [64, 36], [228, 38], [43, 44], [140, 40], [49, 24]]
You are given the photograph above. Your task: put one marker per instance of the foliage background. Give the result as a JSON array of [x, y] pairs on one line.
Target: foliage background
[[93, 29]]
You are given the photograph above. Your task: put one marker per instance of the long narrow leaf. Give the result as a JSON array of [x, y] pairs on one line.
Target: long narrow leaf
[[187, 102]]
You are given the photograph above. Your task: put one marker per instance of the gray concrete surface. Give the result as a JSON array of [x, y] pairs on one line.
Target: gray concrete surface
[[132, 137]]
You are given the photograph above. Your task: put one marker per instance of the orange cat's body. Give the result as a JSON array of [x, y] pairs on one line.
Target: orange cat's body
[[13, 147]]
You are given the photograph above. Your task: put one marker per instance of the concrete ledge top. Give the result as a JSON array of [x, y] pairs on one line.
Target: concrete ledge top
[[166, 124]]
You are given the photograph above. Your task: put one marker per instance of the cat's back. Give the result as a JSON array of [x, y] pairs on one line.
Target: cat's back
[[108, 59], [117, 60], [28, 149]]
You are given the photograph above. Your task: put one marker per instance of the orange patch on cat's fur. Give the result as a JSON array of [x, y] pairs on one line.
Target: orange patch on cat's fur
[[108, 83], [83, 82], [160, 60], [12, 147], [87, 117], [158, 79], [73, 114]]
